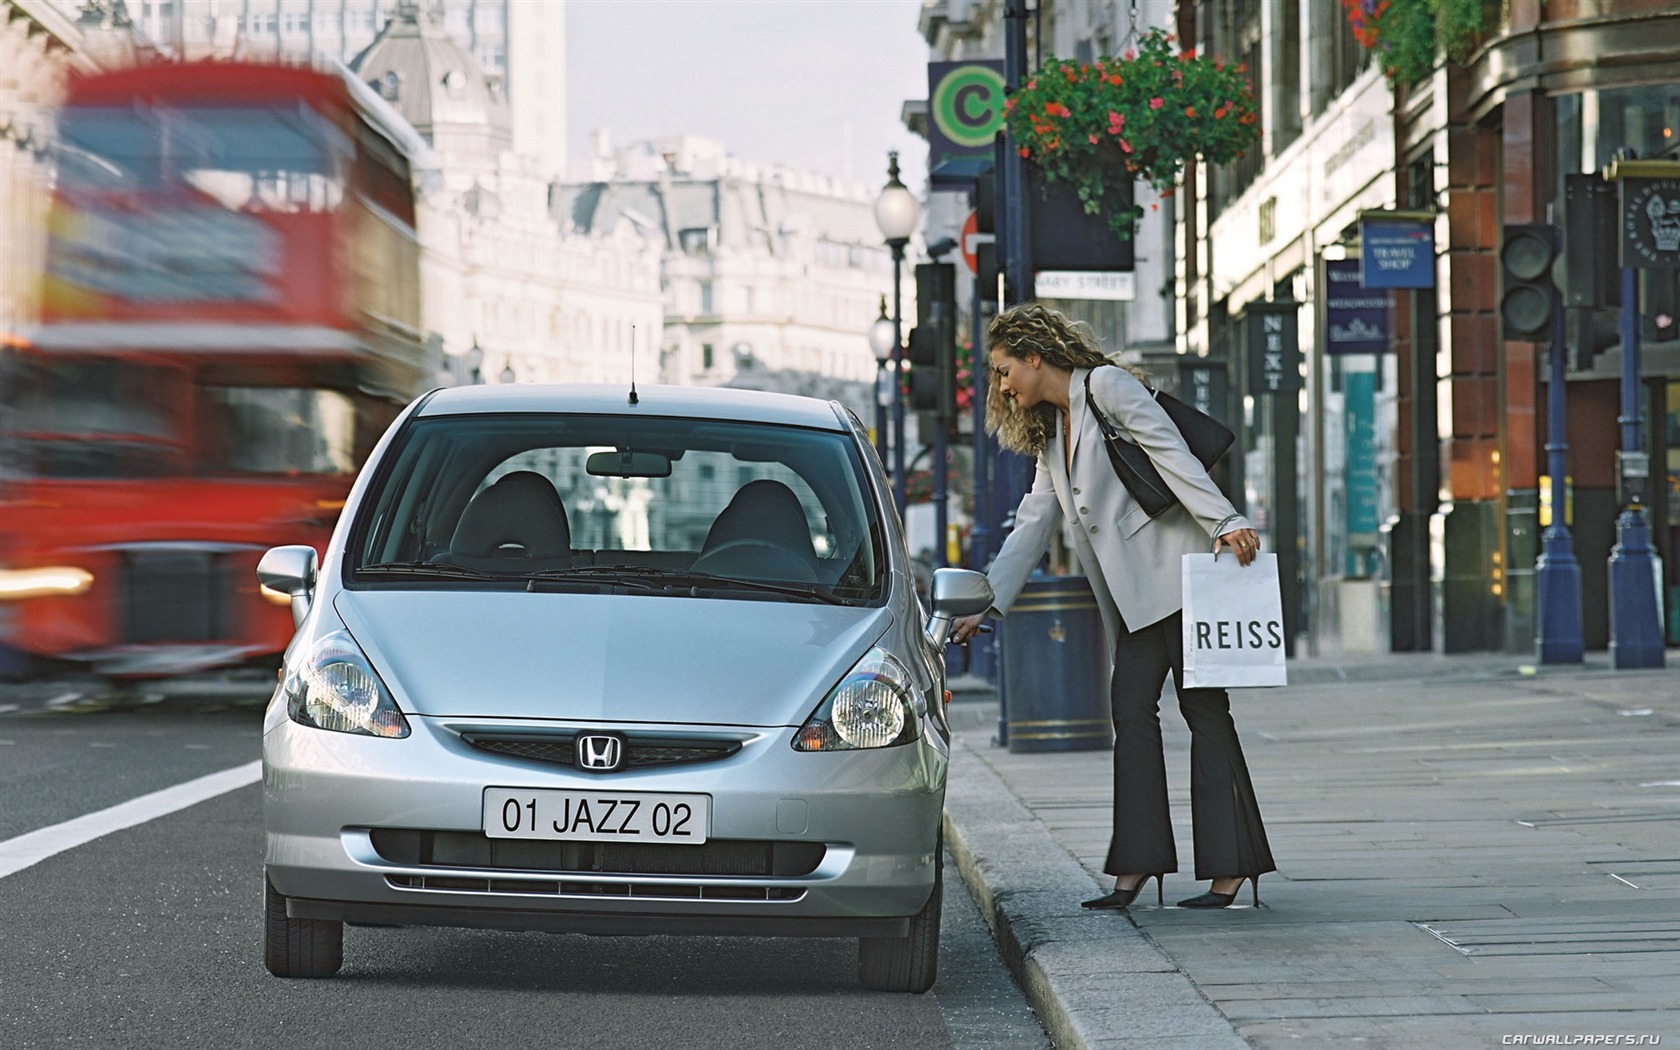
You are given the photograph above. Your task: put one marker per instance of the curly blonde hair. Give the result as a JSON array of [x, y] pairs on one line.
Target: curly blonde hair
[[1032, 328]]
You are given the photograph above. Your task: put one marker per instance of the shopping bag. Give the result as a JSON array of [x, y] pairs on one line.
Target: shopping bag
[[1233, 622]]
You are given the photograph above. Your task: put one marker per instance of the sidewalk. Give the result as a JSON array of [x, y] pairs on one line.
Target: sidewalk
[[1470, 849]]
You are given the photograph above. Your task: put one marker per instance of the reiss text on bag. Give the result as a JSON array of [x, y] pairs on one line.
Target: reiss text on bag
[[1233, 622]]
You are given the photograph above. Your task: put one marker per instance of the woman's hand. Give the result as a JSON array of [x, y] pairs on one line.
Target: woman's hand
[[965, 627], [1244, 543]]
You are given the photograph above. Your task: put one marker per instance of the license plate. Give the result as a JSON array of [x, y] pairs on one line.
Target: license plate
[[596, 816]]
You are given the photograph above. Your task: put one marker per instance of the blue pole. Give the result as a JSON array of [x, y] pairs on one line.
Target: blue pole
[[982, 656], [1635, 641], [1557, 573]]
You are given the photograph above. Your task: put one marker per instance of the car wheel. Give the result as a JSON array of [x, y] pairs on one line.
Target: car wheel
[[298, 947], [909, 963]]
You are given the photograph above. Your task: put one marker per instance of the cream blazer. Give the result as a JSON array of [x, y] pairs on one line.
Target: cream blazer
[[1132, 560]]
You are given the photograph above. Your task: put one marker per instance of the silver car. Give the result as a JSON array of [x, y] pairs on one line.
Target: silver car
[[579, 659]]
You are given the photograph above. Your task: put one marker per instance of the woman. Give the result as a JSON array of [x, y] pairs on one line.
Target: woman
[[1043, 370]]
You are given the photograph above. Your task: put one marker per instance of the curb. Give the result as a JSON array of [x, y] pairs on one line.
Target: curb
[[1096, 981]]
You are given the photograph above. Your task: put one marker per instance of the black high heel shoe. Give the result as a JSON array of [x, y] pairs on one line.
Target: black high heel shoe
[[1120, 898], [1211, 899]]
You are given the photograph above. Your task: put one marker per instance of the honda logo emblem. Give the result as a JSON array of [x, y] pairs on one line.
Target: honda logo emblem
[[599, 752]]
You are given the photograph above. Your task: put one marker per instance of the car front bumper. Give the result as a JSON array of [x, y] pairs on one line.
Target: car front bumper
[[869, 820]]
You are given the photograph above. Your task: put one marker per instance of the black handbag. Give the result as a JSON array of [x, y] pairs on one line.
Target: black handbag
[[1206, 437]]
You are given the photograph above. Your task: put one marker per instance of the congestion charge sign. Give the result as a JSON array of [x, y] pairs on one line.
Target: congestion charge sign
[[965, 107]]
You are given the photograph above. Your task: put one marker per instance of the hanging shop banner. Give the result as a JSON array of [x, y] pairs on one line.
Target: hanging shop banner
[[1650, 224], [1397, 249], [1204, 384], [1359, 477], [1356, 318], [1274, 347], [965, 109]]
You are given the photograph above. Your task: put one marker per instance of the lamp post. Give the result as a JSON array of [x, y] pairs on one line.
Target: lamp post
[[474, 362], [881, 341], [507, 373], [896, 212]]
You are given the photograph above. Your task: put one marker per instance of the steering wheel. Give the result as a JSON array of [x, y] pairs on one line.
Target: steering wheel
[[756, 560]]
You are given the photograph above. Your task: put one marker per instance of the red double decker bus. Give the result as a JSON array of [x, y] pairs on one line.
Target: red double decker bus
[[230, 319]]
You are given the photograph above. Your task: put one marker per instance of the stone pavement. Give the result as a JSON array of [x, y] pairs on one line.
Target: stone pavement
[[1470, 849]]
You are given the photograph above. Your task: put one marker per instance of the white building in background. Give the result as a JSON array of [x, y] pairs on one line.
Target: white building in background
[[520, 43], [771, 277], [541, 304]]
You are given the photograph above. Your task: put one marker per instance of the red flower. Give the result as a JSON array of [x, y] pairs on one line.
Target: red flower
[[1190, 111], [1092, 139], [1157, 102], [1116, 122], [1025, 152], [1190, 55]]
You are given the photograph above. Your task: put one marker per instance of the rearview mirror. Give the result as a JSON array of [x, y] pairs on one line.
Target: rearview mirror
[[623, 463]]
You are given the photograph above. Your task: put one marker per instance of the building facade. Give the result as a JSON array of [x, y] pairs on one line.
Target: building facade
[[39, 46], [1443, 436], [771, 277], [506, 291]]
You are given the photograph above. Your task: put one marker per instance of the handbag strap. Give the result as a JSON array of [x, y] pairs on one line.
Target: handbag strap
[[1108, 429]]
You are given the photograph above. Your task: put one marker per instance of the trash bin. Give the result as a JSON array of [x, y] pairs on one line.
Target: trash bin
[[1055, 670]]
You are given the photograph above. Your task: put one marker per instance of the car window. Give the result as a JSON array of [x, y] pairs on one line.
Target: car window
[[512, 496]]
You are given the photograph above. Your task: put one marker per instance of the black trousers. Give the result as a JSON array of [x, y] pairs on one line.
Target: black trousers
[[1229, 837]]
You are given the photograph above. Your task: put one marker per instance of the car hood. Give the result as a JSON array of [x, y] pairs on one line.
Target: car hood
[[610, 658]]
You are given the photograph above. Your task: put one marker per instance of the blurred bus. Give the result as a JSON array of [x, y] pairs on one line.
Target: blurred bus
[[230, 318]]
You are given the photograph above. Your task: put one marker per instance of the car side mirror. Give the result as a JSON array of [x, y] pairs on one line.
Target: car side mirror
[[291, 571], [955, 592]]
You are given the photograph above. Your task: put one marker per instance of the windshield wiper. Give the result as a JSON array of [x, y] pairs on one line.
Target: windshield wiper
[[437, 570], [648, 575]]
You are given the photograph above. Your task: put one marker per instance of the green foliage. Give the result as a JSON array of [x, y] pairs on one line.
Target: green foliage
[[1406, 35], [1096, 125]]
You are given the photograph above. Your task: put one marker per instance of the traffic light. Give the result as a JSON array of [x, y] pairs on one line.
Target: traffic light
[[932, 345], [1526, 292]]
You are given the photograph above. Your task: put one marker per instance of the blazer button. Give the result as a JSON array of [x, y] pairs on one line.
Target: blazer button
[[1076, 492], [1093, 528], [1084, 510]]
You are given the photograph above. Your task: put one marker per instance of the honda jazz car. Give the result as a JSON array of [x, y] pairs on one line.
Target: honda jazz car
[[583, 659]]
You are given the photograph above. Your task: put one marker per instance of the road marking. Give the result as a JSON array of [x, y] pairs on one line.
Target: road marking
[[7, 707], [63, 699], [36, 846]]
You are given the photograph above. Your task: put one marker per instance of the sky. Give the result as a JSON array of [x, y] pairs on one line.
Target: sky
[[816, 85]]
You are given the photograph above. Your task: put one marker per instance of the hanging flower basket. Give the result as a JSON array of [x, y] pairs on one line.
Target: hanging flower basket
[[1406, 34], [1097, 125]]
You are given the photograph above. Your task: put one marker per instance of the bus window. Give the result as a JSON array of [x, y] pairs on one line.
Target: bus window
[[74, 418], [246, 159], [276, 430]]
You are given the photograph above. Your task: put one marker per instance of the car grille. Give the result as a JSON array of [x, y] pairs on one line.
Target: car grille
[[574, 888], [641, 752], [719, 857]]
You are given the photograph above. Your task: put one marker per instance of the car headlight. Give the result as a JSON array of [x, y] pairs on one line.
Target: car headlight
[[869, 708], [334, 687]]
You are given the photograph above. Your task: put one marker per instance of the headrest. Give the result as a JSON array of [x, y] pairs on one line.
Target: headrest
[[764, 510], [521, 508]]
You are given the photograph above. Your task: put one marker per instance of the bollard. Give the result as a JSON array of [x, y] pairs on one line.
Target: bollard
[[1055, 668]]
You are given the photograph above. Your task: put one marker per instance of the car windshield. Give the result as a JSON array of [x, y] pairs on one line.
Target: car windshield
[[637, 505]]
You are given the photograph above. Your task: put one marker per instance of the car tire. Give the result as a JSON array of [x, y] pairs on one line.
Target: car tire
[[909, 963], [298, 947]]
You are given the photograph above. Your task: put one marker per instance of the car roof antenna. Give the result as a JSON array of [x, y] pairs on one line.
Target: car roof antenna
[[633, 398]]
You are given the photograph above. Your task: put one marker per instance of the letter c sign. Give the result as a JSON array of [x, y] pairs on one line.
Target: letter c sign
[[966, 104]]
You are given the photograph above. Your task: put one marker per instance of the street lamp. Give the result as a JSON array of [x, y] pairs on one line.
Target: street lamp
[[474, 362], [507, 373], [896, 212], [882, 338]]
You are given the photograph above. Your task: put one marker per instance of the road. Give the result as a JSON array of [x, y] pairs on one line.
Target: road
[[151, 936]]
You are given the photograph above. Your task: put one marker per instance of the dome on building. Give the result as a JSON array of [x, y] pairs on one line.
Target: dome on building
[[436, 84]]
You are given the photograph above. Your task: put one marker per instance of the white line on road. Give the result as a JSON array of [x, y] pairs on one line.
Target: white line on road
[[26, 850]]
